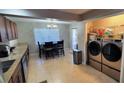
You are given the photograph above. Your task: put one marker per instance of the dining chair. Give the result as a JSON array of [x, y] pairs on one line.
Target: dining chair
[[60, 47], [48, 49], [39, 47], [55, 49]]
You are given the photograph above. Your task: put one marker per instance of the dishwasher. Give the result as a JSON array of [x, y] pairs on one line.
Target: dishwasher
[[25, 67]]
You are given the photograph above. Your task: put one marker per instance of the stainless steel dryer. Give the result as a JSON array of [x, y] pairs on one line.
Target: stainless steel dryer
[[94, 54], [111, 58]]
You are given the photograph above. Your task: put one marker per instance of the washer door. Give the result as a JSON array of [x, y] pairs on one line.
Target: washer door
[[111, 52], [94, 48]]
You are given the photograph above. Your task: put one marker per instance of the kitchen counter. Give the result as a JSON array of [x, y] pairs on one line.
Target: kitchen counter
[[16, 55]]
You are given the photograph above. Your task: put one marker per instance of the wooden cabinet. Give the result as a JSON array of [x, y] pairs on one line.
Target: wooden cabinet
[[11, 81], [21, 71], [17, 76], [15, 29], [8, 29], [11, 29], [3, 33]]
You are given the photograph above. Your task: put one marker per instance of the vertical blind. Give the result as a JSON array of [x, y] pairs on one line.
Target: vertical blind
[[46, 35]]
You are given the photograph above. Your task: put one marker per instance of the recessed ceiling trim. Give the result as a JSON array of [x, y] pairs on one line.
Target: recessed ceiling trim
[[18, 19], [54, 13], [75, 11], [39, 13]]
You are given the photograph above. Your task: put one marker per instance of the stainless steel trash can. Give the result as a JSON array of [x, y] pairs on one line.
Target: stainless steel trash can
[[77, 56]]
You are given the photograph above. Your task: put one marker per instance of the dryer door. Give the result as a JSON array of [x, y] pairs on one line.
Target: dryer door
[[94, 48], [111, 52]]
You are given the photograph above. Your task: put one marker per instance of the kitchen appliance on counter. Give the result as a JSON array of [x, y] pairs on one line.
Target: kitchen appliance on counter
[[94, 53], [111, 58], [4, 50]]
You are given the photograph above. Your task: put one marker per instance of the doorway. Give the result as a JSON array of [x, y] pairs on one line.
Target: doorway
[[74, 38]]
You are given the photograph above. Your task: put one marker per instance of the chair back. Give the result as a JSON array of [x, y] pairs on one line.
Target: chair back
[[48, 44], [60, 44]]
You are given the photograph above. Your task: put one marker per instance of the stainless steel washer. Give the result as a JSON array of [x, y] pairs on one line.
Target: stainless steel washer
[[94, 48], [94, 54], [111, 58]]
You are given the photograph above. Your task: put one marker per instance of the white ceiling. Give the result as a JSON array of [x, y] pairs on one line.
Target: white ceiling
[[75, 11]]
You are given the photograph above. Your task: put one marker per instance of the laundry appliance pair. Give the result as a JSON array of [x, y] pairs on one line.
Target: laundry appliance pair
[[105, 56]]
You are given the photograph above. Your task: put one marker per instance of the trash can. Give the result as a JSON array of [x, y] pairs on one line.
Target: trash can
[[77, 56]]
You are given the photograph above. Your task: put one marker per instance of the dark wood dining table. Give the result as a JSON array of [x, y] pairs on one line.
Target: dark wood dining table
[[48, 49]]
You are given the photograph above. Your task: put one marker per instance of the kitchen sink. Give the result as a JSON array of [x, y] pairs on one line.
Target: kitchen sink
[[6, 65]]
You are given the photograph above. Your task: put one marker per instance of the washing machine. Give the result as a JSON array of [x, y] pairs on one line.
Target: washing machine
[[94, 53], [111, 58]]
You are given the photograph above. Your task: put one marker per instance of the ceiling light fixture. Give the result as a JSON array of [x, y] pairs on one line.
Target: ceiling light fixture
[[52, 24]]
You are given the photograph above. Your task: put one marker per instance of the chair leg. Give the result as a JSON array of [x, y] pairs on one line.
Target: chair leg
[[63, 52], [40, 53], [45, 54]]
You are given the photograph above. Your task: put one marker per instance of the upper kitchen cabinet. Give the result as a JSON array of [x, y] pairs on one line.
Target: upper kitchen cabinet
[[11, 29], [8, 29], [15, 28], [3, 33]]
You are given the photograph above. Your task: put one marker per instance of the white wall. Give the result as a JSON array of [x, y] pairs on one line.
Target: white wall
[[81, 37], [25, 32], [26, 35]]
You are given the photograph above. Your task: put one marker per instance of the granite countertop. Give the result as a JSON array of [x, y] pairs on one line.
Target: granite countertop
[[17, 56]]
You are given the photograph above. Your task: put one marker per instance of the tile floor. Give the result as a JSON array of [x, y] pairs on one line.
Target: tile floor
[[62, 70]]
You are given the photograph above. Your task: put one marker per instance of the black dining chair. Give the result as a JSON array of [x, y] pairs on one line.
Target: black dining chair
[[48, 49], [60, 47], [39, 47], [55, 49]]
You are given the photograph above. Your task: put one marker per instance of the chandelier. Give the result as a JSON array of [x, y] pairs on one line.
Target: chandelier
[[52, 24]]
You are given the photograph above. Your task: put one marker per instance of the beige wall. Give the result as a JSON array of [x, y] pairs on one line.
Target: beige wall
[[25, 32], [110, 21], [116, 23]]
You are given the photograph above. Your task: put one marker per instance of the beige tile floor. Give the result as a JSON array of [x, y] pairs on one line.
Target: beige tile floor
[[62, 70]]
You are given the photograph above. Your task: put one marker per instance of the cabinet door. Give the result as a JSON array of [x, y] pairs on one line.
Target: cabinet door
[[15, 77], [10, 81], [8, 29], [3, 33], [15, 28], [12, 29], [18, 76]]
